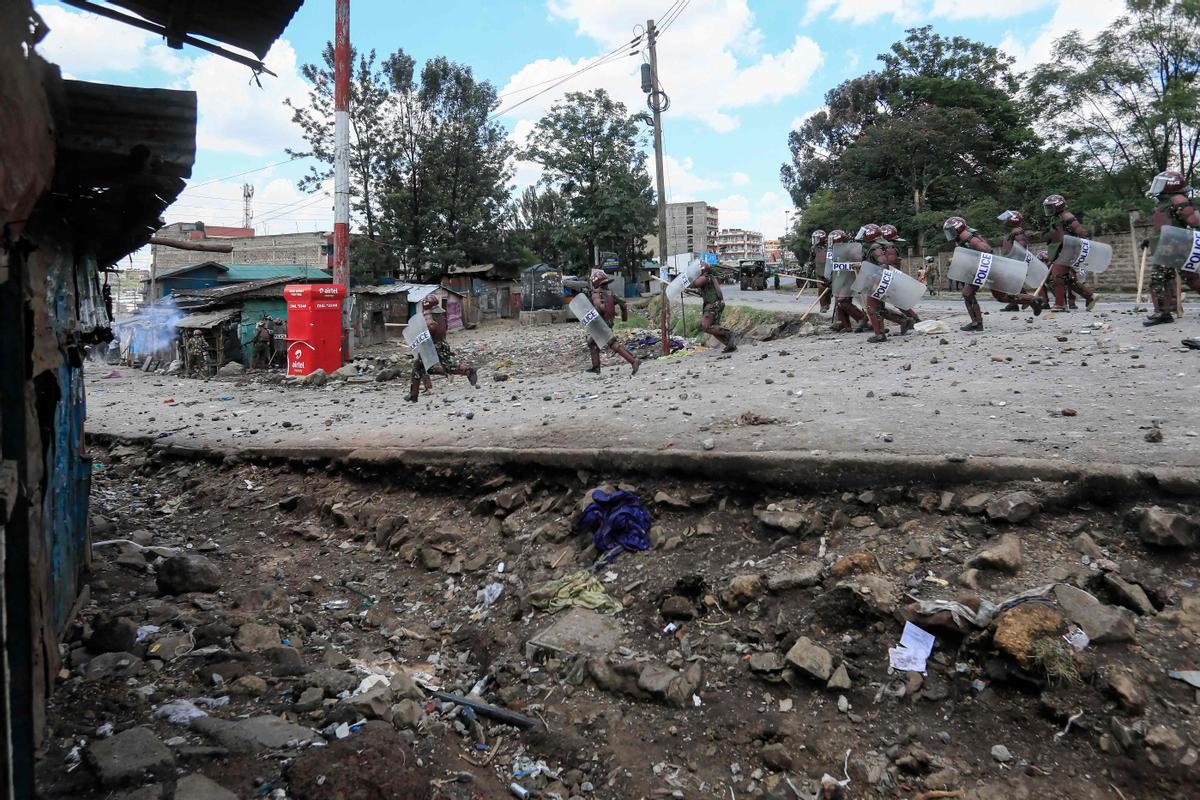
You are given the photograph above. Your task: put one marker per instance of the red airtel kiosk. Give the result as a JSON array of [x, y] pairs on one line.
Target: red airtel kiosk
[[314, 327]]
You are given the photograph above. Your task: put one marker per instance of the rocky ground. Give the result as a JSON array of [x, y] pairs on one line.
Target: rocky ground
[[264, 631]]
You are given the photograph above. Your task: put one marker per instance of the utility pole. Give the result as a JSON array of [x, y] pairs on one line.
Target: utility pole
[[655, 100], [247, 205], [341, 163]]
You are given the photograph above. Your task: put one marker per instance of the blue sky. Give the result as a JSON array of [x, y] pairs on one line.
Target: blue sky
[[740, 73]]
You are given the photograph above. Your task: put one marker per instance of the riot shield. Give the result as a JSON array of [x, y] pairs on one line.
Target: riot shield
[[674, 289], [843, 267], [868, 277], [1178, 248], [1084, 254], [828, 263], [591, 320], [987, 270], [420, 341], [894, 287], [1035, 270]]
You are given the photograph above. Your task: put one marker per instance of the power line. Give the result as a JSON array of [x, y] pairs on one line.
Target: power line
[[669, 22], [278, 214], [249, 171], [605, 59]]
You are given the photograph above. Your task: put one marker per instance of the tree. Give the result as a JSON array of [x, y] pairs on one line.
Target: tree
[[591, 151], [369, 132], [542, 223], [930, 133], [1130, 98], [429, 168]]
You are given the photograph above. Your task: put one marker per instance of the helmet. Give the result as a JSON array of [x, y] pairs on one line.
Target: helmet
[[929, 259], [1043, 256], [430, 301], [1054, 204], [868, 233], [953, 227], [599, 277], [837, 235], [197, 333], [889, 232], [1166, 182], [1013, 219], [818, 236]]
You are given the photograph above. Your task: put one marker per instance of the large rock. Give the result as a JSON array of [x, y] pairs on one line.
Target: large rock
[[976, 503], [253, 637], [677, 607], [742, 590], [255, 734], [873, 593], [113, 665], [183, 574], [1127, 594], [798, 578], [1102, 623], [1013, 507], [130, 755], [317, 377], [669, 686], [117, 635], [231, 369], [1018, 628], [1003, 556], [1162, 528], [811, 659], [574, 632], [856, 564], [198, 787], [790, 522]]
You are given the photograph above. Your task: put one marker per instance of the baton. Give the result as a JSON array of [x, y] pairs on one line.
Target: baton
[[1178, 295], [1137, 299], [814, 305]]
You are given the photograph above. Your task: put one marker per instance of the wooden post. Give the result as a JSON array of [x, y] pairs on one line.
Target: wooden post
[[1137, 300]]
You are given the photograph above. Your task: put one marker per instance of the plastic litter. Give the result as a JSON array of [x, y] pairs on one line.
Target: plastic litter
[[490, 593], [1189, 676], [915, 646], [146, 630], [179, 712]]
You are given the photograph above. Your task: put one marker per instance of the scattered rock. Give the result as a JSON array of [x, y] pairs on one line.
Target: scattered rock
[[769, 661], [231, 369], [1160, 737], [113, 665], [1086, 545], [1100, 622], [670, 500], [811, 659], [198, 787], [1126, 594], [117, 635], [840, 680], [183, 574], [1000, 753], [1003, 556], [1162, 528], [1018, 628], [574, 632], [406, 714], [857, 564], [792, 523], [801, 577], [318, 377], [874, 593], [676, 607], [1013, 507], [310, 699], [1123, 687], [742, 589], [255, 734], [129, 756], [976, 503], [253, 637], [251, 685]]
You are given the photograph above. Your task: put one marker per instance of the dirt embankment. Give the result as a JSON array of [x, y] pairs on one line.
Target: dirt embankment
[[280, 606]]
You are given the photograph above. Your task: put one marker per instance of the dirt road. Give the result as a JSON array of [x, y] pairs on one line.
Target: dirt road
[[1082, 387]]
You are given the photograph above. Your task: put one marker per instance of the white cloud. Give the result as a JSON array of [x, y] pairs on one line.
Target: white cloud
[[766, 215], [709, 85], [863, 11], [1088, 17], [683, 183], [87, 43], [798, 122], [984, 9], [739, 179]]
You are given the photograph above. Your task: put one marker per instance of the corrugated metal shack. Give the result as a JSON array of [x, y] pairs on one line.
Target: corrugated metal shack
[[489, 292], [86, 171]]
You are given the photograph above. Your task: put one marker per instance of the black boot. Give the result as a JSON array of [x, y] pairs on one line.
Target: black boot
[[473, 377], [1011, 307], [1161, 318], [972, 326], [877, 338], [1036, 305]]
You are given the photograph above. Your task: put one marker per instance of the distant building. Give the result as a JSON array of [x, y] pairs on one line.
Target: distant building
[[692, 227], [188, 278], [310, 249], [735, 244], [775, 252]]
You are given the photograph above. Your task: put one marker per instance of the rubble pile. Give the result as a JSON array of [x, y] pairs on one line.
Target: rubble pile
[[264, 631]]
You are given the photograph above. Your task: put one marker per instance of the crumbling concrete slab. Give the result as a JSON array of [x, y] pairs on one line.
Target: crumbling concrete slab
[[576, 631], [130, 755]]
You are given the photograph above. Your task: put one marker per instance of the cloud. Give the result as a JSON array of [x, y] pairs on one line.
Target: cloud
[[798, 122], [87, 43], [734, 74], [984, 9], [239, 116], [1088, 17], [683, 183], [863, 11], [739, 179], [765, 215]]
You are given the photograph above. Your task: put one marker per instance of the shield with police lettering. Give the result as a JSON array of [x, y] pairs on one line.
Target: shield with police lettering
[[987, 270], [591, 320]]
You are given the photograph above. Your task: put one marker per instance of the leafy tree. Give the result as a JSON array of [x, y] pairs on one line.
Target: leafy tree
[[591, 151], [542, 223], [1129, 99], [369, 132]]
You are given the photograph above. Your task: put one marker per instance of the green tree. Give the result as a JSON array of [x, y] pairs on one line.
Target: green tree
[[591, 151], [1129, 99], [542, 223]]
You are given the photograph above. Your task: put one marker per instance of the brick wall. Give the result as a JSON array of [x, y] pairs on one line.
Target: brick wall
[[285, 248]]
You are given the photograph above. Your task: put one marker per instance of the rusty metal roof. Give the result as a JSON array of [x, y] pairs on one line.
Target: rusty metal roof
[[252, 26]]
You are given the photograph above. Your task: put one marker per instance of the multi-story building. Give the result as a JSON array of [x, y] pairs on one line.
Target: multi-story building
[[691, 228], [310, 249], [735, 244]]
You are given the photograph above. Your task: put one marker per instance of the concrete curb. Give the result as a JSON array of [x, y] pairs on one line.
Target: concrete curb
[[789, 470]]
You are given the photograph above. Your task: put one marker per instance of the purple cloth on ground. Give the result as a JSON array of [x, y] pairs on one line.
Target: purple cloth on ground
[[617, 520]]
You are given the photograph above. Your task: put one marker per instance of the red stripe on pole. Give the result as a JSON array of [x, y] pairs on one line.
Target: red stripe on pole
[[341, 57]]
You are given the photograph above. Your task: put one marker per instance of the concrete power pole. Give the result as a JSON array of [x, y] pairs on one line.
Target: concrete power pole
[[656, 106], [247, 205], [341, 163]]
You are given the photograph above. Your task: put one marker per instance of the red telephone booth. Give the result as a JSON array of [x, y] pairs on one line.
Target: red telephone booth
[[314, 327]]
